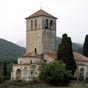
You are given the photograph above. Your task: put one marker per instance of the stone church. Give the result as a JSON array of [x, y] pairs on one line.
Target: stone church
[[41, 47]]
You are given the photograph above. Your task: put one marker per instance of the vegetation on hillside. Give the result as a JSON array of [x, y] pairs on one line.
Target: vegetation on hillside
[[10, 49]]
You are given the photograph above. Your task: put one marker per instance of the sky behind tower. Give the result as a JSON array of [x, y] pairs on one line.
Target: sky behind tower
[[72, 17]]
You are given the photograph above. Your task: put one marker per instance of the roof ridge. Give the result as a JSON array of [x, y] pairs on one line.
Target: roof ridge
[[41, 13]]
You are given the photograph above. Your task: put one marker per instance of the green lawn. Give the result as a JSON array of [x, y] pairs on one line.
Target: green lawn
[[53, 87]]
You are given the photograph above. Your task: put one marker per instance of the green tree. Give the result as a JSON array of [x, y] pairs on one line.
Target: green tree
[[1, 79], [55, 73], [9, 70], [65, 53], [85, 46], [5, 69]]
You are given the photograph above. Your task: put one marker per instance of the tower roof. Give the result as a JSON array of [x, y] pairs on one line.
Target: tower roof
[[41, 13]]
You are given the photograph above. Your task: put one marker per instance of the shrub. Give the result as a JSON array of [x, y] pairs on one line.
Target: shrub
[[55, 73], [1, 79], [19, 82], [35, 80]]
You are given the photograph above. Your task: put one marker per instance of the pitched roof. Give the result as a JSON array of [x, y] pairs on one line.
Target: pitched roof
[[30, 55], [77, 56], [51, 54], [80, 57], [41, 13], [26, 64], [20, 64]]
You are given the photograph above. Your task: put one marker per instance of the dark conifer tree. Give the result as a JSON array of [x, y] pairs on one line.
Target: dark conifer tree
[[65, 53], [85, 46], [5, 69]]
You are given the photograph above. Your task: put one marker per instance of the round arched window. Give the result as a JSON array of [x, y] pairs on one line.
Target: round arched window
[[51, 24], [33, 66], [18, 73], [46, 24]]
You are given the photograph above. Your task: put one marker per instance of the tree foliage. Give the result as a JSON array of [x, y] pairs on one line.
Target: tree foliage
[[9, 70], [65, 53], [77, 47], [5, 69], [85, 46], [55, 73], [1, 79]]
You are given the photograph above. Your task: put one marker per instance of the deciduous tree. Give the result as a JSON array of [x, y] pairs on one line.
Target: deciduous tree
[[55, 73]]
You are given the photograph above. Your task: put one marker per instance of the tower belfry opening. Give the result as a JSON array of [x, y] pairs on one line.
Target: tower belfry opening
[[46, 24]]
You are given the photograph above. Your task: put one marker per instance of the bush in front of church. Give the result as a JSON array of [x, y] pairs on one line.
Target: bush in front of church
[[55, 73], [1, 79]]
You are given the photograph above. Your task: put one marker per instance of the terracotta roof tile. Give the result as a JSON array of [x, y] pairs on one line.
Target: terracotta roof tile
[[30, 55], [52, 55], [41, 13], [80, 57], [77, 56], [20, 64], [38, 63]]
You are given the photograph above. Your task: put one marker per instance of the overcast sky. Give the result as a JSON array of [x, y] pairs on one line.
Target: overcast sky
[[72, 17]]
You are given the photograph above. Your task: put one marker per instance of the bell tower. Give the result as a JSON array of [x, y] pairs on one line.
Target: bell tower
[[40, 32]]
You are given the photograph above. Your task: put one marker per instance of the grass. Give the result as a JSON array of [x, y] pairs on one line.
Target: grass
[[53, 87]]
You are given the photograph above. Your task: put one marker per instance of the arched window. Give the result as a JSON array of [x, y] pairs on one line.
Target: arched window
[[46, 24], [18, 74], [51, 24], [35, 24], [33, 66], [31, 24], [81, 77]]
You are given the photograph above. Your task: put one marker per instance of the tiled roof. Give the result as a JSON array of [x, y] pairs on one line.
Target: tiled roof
[[77, 56], [31, 55], [51, 54], [20, 64], [80, 57], [41, 13], [37, 63]]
